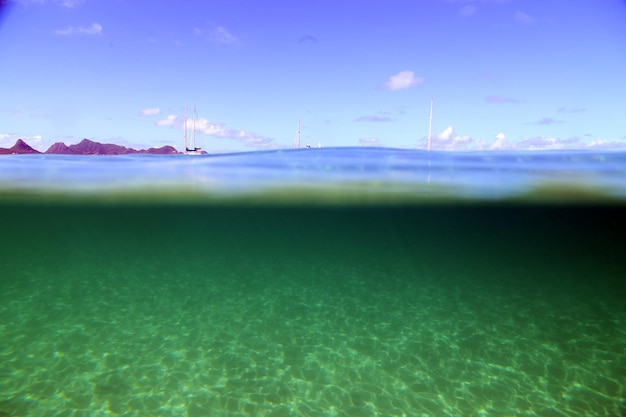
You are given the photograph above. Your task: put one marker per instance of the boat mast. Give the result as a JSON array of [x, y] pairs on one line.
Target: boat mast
[[298, 136], [193, 137], [185, 127], [430, 125]]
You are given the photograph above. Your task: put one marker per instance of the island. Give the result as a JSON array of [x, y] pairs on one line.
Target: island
[[85, 147]]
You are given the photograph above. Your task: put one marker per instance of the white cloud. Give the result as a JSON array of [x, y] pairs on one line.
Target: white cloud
[[542, 142], [545, 121], [219, 130], [153, 111], [447, 133], [218, 34], [93, 29], [169, 121], [221, 35], [5, 140], [449, 140], [500, 142], [402, 80], [539, 143], [607, 144], [525, 18], [574, 143], [8, 139]]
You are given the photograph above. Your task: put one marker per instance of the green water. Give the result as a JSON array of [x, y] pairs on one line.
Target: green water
[[196, 310]]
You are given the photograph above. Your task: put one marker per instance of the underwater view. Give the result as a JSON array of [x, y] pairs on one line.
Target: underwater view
[[286, 302], [312, 208]]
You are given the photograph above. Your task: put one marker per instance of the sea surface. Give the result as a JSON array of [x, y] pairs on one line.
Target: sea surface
[[319, 282]]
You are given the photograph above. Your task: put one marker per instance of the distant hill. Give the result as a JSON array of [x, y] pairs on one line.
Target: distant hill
[[85, 147], [19, 147]]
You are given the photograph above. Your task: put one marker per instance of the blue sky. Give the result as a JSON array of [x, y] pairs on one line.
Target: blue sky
[[504, 74]]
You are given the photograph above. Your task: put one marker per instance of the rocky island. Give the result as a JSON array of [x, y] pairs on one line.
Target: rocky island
[[85, 147]]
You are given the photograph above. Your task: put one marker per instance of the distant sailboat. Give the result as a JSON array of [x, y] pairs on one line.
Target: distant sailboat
[[430, 124], [193, 150], [297, 141]]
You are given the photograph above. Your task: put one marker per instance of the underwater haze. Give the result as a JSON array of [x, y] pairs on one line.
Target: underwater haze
[[321, 282]]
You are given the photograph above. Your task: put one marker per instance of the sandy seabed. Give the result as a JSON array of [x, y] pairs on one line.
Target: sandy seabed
[[274, 334]]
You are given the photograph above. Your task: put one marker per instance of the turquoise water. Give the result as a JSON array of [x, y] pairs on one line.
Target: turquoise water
[[337, 175], [277, 307]]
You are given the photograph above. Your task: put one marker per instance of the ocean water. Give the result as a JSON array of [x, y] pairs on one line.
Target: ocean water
[[332, 282]]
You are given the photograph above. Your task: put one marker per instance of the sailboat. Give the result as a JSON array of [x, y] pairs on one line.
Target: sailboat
[[430, 124], [297, 141], [193, 150]]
